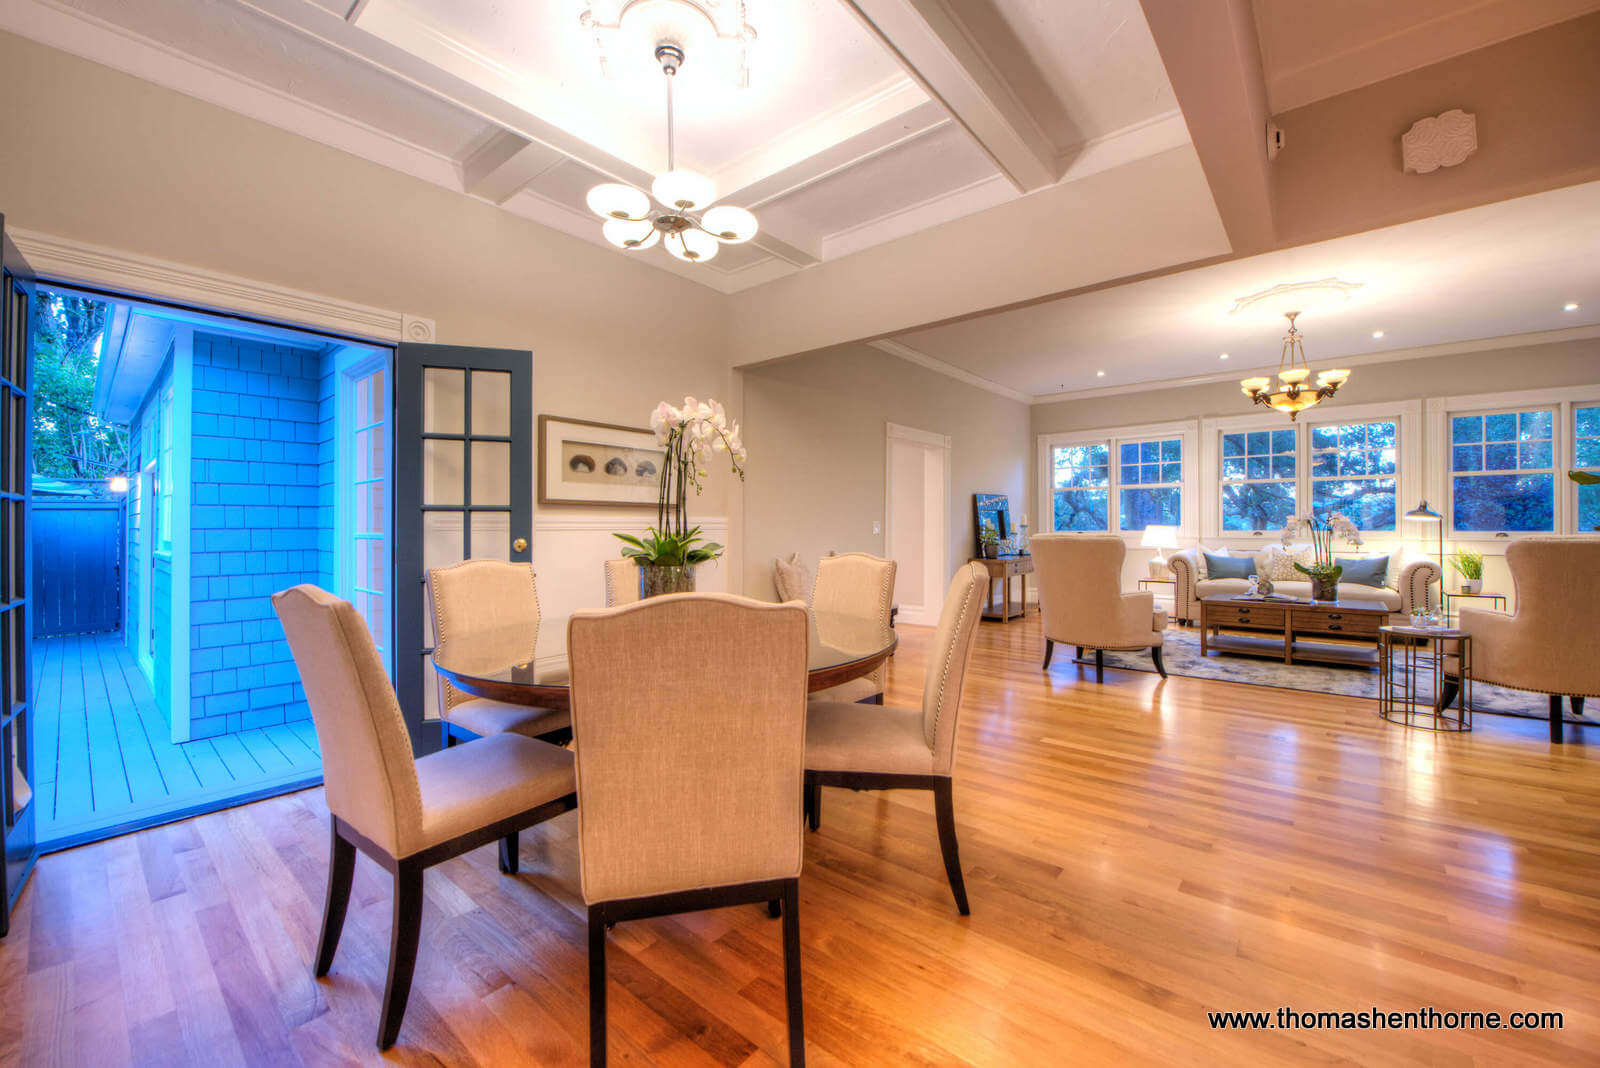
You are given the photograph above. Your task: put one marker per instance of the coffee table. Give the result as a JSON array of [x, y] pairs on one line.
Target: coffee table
[[1300, 630]]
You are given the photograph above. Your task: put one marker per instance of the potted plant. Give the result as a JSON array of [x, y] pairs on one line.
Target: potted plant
[[1468, 563], [1585, 478], [1323, 572], [988, 542], [669, 551]]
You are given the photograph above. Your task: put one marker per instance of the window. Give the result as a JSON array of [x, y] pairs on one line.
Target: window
[[1150, 480], [1258, 479], [1502, 471], [1353, 472], [1080, 481], [164, 472], [1586, 457], [367, 506]]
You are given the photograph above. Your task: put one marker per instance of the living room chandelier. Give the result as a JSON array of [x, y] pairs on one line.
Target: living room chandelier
[[683, 225], [1293, 393]]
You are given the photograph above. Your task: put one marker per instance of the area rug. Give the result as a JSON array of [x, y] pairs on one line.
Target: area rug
[[1181, 654]]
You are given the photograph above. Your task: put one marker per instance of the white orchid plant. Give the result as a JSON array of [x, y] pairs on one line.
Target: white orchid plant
[[1322, 531], [691, 436]]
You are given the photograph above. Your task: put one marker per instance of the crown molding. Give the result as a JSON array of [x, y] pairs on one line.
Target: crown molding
[[921, 359]]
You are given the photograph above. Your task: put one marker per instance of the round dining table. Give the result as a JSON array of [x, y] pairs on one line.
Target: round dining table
[[499, 662]]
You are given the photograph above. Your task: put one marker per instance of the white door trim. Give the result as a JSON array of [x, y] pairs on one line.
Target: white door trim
[[936, 549]]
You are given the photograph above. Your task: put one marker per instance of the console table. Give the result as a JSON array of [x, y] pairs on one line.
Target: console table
[[1301, 629], [1499, 600], [1006, 568]]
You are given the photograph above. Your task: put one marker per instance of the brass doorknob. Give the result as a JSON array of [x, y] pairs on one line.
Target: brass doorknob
[[520, 545]]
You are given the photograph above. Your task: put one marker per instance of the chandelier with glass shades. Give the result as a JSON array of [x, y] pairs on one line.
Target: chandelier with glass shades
[[1293, 394], [681, 223]]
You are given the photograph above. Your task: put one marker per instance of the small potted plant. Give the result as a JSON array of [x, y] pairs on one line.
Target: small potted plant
[[988, 542], [1585, 478], [1468, 563], [1324, 572]]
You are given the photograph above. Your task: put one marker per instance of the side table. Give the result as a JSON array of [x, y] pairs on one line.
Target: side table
[[1499, 600], [1411, 677], [1004, 569]]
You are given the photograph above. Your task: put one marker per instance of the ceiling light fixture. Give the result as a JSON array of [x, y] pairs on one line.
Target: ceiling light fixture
[[1377, 333], [1293, 394], [683, 224], [1099, 374], [1571, 305], [1224, 356]]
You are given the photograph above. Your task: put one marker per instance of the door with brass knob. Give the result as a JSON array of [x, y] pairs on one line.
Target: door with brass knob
[[463, 484]]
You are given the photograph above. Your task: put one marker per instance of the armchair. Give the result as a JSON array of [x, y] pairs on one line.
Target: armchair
[[1081, 599]]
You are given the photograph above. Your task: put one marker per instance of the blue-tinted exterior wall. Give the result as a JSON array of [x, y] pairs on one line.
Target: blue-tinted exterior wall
[[258, 524]]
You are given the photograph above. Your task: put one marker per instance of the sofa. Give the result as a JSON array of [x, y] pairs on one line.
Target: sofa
[[1410, 578]]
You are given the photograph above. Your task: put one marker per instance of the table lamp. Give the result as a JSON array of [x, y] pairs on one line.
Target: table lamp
[[1159, 539], [1423, 514]]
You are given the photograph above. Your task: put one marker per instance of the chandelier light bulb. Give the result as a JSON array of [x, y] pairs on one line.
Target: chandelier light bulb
[[692, 246], [730, 224], [684, 190], [630, 235], [613, 200]]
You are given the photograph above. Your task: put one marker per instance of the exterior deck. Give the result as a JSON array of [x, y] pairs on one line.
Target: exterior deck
[[104, 764]]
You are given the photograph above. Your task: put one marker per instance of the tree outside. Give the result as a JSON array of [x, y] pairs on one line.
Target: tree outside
[[70, 441]]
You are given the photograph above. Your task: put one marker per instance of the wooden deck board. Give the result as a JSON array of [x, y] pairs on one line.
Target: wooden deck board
[[105, 757]]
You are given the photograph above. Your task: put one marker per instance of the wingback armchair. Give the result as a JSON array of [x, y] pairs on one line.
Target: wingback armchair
[[1082, 603], [1547, 645]]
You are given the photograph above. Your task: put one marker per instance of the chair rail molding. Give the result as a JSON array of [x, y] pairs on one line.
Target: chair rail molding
[[67, 260]]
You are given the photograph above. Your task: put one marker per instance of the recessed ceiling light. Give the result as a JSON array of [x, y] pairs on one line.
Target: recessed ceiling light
[[1099, 374], [1377, 333], [1224, 356], [1571, 305]]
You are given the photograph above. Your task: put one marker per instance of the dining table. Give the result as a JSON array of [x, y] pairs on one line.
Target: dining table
[[501, 662]]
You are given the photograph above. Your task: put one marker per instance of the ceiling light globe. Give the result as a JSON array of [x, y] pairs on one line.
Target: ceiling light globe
[[613, 200], [692, 246], [629, 235], [684, 190], [730, 224]]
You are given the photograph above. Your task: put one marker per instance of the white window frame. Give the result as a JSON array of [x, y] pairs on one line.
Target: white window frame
[[1562, 399], [165, 478], [1254, 424], [350, 366], [1573, 487], [1186, 431], [1311, 478]]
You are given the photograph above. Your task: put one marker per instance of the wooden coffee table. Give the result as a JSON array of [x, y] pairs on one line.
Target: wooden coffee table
[[1300, 629]]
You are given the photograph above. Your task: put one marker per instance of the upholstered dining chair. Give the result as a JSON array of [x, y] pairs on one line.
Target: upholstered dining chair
[[406, 813], [905, 748], [689, 718], [862, 585], [1547, 645], [488, 595], [622, 582], [1082, 603]]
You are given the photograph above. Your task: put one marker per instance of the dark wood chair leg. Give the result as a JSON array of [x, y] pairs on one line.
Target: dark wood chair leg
[[1555, 717], [1080, 652], [403, 937], [341, 867], [1155, 654], [775, 907], [875, 699], [1447, 693], [791, 972], [509, 861], [1099, 665], [944, 812], [1577, 705], [1049, 650], [597, 988], [813, 805]]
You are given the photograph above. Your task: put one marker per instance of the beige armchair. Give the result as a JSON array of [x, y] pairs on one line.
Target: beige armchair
[[864, 748], [407, 814], [689, 718], [1082, 603], [1548, 644], [861, 585], [488, 595], [622, 581]]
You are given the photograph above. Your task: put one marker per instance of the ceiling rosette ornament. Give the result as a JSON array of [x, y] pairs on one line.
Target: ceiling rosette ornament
[[1439, 141], [716, 31]]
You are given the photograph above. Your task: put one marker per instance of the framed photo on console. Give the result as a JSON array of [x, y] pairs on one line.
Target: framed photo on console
[[582, 462]]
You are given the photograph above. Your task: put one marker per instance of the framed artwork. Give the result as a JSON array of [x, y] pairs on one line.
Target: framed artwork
[[581, 462], [991, 510]]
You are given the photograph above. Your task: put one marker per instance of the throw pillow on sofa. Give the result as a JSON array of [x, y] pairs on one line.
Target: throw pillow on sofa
[[1364, 571], [1200, 561], [1221, 567], [1277, 562]]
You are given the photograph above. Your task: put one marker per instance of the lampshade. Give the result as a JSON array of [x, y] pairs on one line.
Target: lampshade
[[1293, 376], [613, 200], [730, 224], [1423, 514], [1158, 537], [633, 236], [692, 246], [684, 190], [1337, 377], [1254, 385]]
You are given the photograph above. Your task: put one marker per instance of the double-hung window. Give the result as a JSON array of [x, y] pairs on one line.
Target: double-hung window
[[1150, 480], [1586, 457], [1502, 471], [1080, 486], [1258, 479], [1353, 469]]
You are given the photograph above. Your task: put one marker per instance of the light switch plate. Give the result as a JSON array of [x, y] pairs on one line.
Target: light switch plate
[[877, 527]]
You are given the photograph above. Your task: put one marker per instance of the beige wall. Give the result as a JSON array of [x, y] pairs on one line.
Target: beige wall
[[816, 429]]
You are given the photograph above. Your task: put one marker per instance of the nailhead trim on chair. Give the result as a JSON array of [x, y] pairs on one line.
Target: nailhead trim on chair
[[944, 673]]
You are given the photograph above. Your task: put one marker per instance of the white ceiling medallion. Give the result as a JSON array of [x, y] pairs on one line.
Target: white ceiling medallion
[[715, 31], [1439, 141], [1296, 296]]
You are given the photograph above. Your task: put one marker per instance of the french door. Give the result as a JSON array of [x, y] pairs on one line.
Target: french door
[[463, 490], [17, 829]]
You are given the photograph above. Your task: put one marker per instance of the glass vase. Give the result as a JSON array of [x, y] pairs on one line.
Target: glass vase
[[1324, 588], [657, 579]]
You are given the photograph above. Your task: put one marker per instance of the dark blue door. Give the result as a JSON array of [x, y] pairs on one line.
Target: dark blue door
[[77, 567]]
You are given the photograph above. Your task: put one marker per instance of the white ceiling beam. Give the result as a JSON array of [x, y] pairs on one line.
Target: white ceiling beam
[[498, 171], [931, 44]]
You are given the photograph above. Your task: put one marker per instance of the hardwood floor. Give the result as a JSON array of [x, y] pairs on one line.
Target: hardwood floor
[[1136, 854]]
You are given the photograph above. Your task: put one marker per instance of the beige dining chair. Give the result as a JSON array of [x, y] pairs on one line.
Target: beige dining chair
[[481, 595], [862, 585], [406, 813], [689, 718], [1081, 601], [905, 748], [622, 581]]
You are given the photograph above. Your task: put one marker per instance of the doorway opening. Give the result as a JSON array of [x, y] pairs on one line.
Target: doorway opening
[[918, 520], [185, 466]]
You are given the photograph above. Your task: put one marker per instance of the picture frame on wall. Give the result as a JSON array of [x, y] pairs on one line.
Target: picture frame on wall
[[584, 462]]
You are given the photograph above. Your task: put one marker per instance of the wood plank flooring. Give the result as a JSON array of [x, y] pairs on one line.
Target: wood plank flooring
[[103, 755], [1136, 853]]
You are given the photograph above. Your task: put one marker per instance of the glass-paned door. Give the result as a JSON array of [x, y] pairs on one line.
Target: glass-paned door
[[17, 806], [463, 489]]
